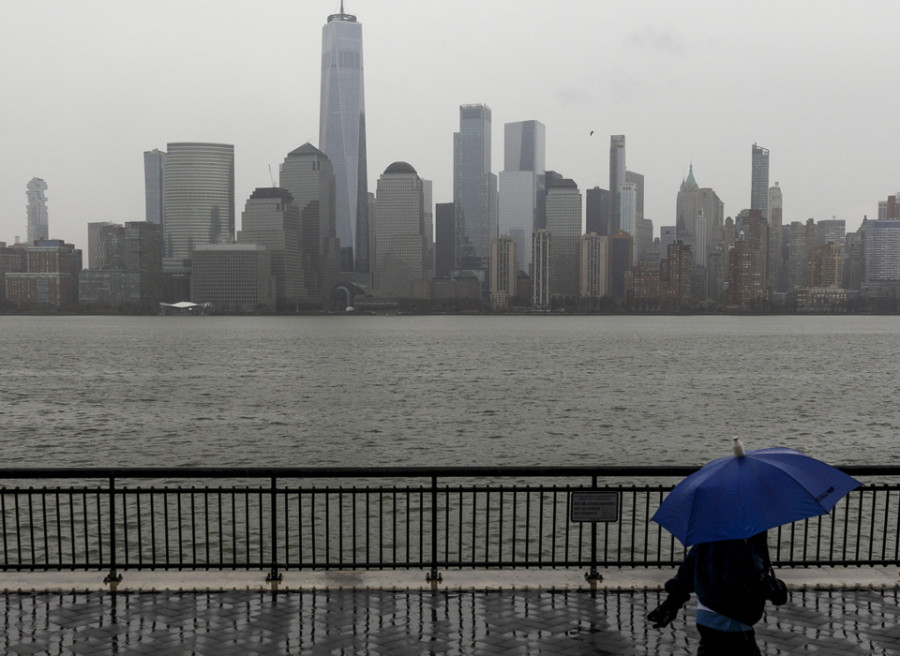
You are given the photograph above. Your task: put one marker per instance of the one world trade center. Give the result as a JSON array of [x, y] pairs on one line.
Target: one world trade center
[[342, 135]]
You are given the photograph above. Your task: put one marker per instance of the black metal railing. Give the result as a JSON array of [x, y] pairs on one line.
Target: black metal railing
[[429, 518]]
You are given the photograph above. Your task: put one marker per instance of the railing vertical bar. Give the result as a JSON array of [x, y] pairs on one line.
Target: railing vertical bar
[[206, 536], [474, 523], [341, 527], [327, 528], [274, 574], [125, 551], [368, 526], [553, 529], [46, 532], [192, 501], [180, 518], [515, 508], [872, 523], [887, 519], [859, 524], [59, 547], [394, 527], [152, 529], [312, 525], [113, 574], [18, 527], [540, 544], [422, 522], [487, 525], [31, 540], [166, 529], [97, 497], [287, 529], [354, 516], [3, 527]]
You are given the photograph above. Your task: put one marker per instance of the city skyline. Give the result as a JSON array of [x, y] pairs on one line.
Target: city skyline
[[675, 80]]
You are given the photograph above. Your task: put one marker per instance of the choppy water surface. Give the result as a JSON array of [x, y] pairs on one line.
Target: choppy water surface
[[444, 390]]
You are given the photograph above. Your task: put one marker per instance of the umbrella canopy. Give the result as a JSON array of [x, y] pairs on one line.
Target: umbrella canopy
[[742, 495]]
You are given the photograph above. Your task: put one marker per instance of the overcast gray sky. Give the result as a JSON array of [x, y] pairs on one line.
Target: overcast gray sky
[[88, 86]]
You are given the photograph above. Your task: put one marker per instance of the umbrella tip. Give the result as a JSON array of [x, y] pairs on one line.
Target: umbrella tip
[[737, 446]]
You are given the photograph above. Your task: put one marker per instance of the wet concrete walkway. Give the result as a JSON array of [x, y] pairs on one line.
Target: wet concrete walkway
[[367, 620]]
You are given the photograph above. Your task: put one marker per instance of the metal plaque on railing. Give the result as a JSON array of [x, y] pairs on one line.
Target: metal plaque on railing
[[593, 506]]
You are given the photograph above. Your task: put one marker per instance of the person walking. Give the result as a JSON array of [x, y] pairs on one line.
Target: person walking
[[732, 579]]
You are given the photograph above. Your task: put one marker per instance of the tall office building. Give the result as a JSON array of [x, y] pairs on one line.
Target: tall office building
[[541, 270], [474, 187], [38, 227], [521, 185], [444, 239], [154, 186], [308, 175], [759, 183], [503, 272], [564, 225], [596, 211], [199, 200], [637, 179], [594, 265], [272, 219], [342, 135], [775, 216], [616, 179], [697, 213], [401, 267]]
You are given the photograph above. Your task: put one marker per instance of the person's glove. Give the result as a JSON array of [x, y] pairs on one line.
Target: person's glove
[[663, 614]]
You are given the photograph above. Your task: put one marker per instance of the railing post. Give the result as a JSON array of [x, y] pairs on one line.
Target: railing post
[[113, 578], [274, 577], [434, 577], [593, 576]]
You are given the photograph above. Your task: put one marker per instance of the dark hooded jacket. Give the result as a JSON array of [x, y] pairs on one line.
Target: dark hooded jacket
[[727, 576]]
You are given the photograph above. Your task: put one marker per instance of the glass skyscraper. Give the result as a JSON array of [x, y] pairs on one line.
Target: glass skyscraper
[[199, 200], [154, 186], [342, 135], [474, 187], [521, 185], [616, 180], [759, 183]]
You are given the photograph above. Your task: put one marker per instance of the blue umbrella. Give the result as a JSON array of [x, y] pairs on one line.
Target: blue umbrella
[[741, 495]]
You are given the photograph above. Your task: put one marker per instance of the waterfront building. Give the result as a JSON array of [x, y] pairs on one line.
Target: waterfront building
[[698, 210], [307, 174], [826, 265], [154, 186], [521, 185], [342, 135], [233, 278], [199, 200], [445, 239], [621, 250], [777, 276], [541, 277], [676, 283], [400, 249], [616, 180], [38, 222], [272, 219], [50, 278], [759, 180], [564, 223], [596, 211], [474, 187], [594, 278], [13, 259], [503, 272], [106, 245], [882, 253], [125, 267], [799, 238]]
